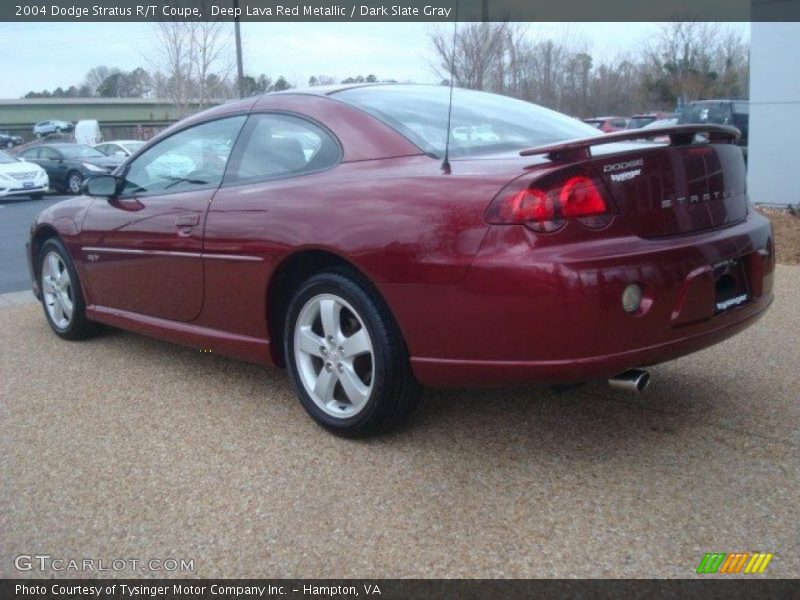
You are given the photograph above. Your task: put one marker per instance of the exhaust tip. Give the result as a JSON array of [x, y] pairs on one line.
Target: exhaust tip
[[635, 380]]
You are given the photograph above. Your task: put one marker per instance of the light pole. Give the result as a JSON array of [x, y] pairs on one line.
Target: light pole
[[238, 35]]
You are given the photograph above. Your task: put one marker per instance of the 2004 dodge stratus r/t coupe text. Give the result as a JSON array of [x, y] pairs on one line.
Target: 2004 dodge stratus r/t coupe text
[[325, 232]]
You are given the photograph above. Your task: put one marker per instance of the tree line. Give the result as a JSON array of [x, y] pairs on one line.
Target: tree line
[[679, 62], [191, 63]]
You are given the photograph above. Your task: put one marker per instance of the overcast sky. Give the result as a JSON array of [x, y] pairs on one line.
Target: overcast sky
[[37, 56]]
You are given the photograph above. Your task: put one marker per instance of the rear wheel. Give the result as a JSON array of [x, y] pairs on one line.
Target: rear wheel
[[346, 357], [62, 298]]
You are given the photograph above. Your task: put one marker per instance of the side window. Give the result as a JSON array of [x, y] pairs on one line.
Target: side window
[[32, 153], [104, 148], [190, 159], [275, 145], [48, 153]]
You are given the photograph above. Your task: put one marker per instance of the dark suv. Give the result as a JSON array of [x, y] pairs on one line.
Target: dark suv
[[722, 112]]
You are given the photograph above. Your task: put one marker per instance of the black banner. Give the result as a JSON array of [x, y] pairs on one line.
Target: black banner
[[399, 10], [732, 588]]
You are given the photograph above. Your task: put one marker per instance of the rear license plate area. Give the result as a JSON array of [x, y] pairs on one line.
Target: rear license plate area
[[27, 184], [730, 285]]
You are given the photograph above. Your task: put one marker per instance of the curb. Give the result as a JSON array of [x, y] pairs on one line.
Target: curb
[[13, 299]]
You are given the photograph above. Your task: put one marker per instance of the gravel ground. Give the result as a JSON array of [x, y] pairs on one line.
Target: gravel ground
[[128, 447]]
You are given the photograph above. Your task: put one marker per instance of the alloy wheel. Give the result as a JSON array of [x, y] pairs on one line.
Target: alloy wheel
[[334, 355], [57, 290], [75, 182]]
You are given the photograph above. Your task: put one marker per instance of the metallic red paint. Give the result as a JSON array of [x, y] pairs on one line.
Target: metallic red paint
[[477, 303]]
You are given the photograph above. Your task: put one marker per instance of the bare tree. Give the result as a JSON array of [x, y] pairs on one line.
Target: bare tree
[[191, 61], [690, 60], [210, 42], [175, 63], [96, 76], [478, 53]]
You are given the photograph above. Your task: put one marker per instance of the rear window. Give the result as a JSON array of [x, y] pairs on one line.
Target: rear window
[[707, 112], [481, 123], [80, 151], [639, 122]]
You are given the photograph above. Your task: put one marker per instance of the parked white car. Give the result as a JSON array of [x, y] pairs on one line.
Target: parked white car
[[21, 178], [121, 148]]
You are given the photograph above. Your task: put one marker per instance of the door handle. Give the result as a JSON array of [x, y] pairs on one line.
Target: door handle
[[187, 221]]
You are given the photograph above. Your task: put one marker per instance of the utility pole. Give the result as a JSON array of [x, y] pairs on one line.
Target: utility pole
[[239, 66]]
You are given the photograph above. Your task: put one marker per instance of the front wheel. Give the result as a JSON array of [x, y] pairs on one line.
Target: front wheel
[[346, 357], [62, 298], [74, 182]]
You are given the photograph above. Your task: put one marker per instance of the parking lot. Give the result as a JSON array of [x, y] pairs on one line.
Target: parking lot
[[16, 216], [128, 447]]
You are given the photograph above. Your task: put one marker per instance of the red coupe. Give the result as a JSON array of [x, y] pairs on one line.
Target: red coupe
[[333, 233]]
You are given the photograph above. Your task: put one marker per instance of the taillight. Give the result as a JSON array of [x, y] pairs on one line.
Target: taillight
[[544, 205]]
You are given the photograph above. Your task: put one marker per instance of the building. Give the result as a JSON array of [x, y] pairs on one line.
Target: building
[[119, 118], [774, 113]]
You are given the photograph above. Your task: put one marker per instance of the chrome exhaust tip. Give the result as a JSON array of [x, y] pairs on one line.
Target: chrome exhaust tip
[[635, 380]]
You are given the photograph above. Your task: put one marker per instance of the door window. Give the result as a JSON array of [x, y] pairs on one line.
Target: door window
[[190, 159], [275, 145], [48, 154]]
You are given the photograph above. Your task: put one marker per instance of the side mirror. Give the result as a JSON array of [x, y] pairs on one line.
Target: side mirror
[[104, 186]]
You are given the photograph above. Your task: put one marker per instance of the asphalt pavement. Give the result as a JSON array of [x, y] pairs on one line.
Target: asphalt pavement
[[16, 216], [126, 447]]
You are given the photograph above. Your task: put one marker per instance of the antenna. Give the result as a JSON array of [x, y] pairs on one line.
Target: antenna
[[446, 161]]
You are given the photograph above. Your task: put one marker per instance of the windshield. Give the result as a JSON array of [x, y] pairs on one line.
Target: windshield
[[80, 151], [6, 158], [481, 123], [132, 146]]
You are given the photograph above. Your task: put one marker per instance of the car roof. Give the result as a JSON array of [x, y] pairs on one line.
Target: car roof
[[327, 90], [121, 142], [58, 145]]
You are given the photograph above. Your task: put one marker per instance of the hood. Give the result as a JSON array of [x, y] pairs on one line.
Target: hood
[[19, 167]]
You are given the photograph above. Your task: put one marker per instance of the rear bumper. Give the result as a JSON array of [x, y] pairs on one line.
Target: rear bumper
[[553, 314], [454, 373]]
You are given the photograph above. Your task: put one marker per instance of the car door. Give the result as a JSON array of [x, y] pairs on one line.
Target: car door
[[143, 248], [52, 162]]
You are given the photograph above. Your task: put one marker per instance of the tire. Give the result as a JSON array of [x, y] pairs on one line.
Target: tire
[[58, 130], [368, 349], [58, 293], [74, 182]]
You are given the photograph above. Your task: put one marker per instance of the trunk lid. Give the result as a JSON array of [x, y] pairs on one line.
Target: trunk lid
[[670, 190], [696, 181]]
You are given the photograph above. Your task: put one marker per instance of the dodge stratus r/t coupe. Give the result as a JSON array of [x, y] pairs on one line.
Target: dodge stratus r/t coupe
[[372, 246]]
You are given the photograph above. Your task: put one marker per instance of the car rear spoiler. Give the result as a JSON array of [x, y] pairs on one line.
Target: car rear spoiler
[[678, 135]]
